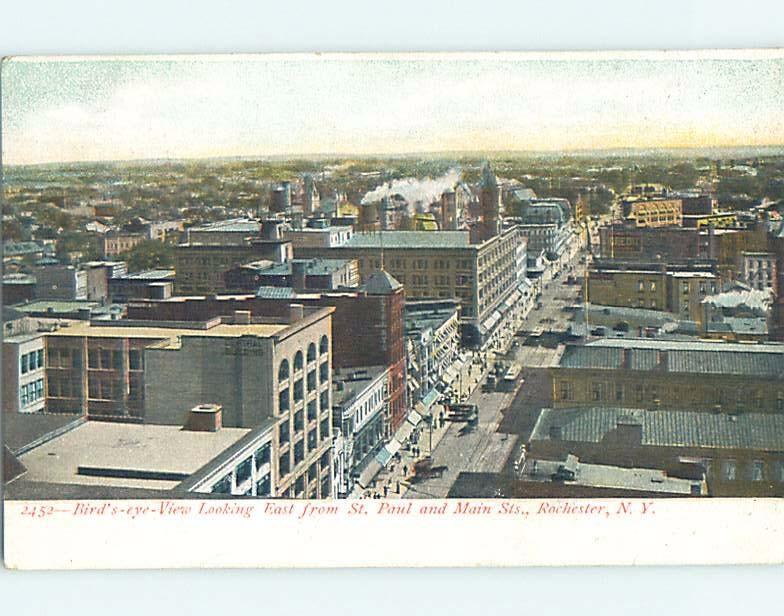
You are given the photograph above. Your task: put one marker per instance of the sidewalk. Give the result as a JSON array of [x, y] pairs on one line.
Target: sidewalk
[[390, 481]]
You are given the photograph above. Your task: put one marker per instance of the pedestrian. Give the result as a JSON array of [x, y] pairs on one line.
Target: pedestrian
[[405, 471], [386, 491]]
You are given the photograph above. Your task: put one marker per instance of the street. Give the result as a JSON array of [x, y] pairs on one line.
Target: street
[[505, 418]]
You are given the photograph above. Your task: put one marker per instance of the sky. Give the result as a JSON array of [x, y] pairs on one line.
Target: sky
[[92, 109]]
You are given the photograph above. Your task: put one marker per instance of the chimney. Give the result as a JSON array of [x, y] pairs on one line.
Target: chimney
[[242, 317], [204, 418], [298, 279], [296, 312], [270, 229]]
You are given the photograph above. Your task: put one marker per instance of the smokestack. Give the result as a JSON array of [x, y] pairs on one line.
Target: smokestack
[[489, 199], [449, 210], [298, 277], [281, 198], [270, 229]]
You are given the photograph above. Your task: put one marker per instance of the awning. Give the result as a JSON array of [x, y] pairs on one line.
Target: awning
[[414, 418], [490, 322], [430, 398], [402, 434], [387, 451], [369, 473]]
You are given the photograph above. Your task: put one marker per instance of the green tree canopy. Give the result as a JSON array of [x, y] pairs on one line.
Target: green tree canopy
[[149, 254]]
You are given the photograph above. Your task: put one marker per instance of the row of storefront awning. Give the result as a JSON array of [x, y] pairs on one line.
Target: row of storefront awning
[[490, 323], [388, 451]]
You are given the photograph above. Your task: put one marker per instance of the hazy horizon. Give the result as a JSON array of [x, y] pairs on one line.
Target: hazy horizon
[[75, 110]]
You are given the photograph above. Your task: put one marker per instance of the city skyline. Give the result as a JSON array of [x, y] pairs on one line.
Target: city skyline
[[109, 109]]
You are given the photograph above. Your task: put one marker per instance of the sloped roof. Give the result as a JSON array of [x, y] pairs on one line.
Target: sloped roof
[[12, 467], [678, 357], [667, 428], [381, 283]]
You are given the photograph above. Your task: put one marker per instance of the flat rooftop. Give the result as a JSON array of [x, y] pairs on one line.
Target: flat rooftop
[[142, 448], [410, 239], [604, 476], [354, 381], [222, 330]]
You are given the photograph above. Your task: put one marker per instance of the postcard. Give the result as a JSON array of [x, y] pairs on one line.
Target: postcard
[[311, 310]]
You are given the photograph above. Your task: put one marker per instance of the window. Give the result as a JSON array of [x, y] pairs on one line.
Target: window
[[299, 485], [324, 460], [24, 363], [312, 472], [223, 486], [779, 469], [618, 392], [566, 390], [728, 470], [640, 285], [299, 452], [324, 428], [283, 370], [312, 410], [311, 380], [135, 359], [324, 345], [312, 439], [284, 403], [244, 470], [262, 455], [324, 372], [311, 352], [299, 422], [299, 391], [298, 361], [284, 465], [284, 434], [757, 470], [324, 400], [263, 486]]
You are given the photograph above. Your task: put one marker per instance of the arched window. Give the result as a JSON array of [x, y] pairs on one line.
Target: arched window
[[311, 352], [283, 371], [298, 361], [324, 345]]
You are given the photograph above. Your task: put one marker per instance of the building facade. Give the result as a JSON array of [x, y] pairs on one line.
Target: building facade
[[701, 376], [359, 397], [679, 289], [445, 265], [740, 455]]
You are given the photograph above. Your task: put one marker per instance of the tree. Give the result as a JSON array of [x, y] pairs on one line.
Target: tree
[[149, 254]]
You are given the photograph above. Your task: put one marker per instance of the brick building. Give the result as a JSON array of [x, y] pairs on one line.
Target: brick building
[[679, 289], [740, 454], [368, 324], [688, 375]]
